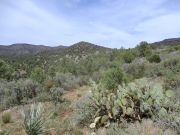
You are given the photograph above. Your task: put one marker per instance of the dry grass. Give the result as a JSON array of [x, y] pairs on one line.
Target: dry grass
[[64, 113], [146, 127], [63, 120]]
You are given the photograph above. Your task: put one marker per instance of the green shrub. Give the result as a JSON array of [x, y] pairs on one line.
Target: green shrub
[[84, 111], [26, 89], [38, 75], [136, 69], [129, 56], [172, 64], [154, 70], [177, 47], [67, 81], [7, 102], [18, 92], [6, 117], [5, 70], [48, 84], [133, 102], [33, 121], [2, 132], [96, 76], [172, 82], [113, 78], [83, 80], [174, 48], [43, 97], [19, 95], [7, 94], [154, 58], [56, 95], [52, 72], [144, 49], [29, 88]]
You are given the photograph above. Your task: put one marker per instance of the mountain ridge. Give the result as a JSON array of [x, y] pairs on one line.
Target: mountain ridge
[[168, 42], [82, 47], [20, 49]]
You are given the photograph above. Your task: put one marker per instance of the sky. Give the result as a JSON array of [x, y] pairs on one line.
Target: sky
[[110, 23]]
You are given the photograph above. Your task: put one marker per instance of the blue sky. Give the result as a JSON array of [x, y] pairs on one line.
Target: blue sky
[[111, 23]]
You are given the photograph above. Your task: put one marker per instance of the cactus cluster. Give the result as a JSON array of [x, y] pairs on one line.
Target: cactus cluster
[[130, 102], [56, 95]]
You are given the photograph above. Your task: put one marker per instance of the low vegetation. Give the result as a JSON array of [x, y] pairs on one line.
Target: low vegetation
[[133, 102], [100, 91], [33, 121], [6, 117]]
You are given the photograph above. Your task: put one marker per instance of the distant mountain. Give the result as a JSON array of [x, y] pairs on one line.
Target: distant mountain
[[168, 42], [29, 49], [25, 49], [84, 48], [80, 48]]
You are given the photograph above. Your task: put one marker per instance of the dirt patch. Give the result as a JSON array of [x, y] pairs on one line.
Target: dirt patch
[[76, 94], [15, 127], [67, 113]]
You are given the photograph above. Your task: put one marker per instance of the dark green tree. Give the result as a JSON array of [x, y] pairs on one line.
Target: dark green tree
[[129, 55], [52, 71], [154, 58], [5, 70], [113, 78], [144, 49], [38, 75]]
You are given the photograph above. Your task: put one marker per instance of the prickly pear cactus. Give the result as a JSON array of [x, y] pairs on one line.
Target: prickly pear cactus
[[131, 102]]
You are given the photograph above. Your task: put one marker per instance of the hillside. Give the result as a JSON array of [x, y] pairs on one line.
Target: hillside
[[168, 42], [29, 49], [127, 91], [25, 49], [80, 48], [84, 48]]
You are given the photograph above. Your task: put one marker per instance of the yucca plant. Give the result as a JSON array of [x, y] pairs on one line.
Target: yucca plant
[[6, 117], [33, 121], [3, 132]]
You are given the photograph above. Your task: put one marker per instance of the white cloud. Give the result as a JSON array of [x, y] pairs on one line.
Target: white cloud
[[27, 21], [106, 22], [165, 26]]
